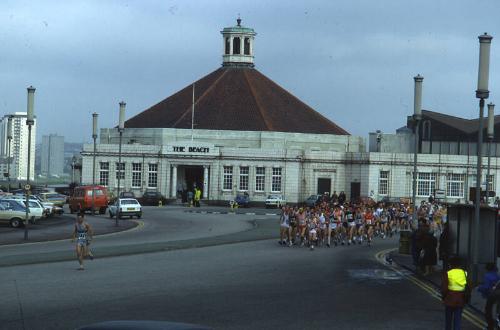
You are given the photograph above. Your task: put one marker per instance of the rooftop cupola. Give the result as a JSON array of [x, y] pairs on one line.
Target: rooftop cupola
[[238, 45]]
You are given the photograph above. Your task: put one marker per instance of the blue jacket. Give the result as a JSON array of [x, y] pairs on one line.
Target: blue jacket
[[489, 280]]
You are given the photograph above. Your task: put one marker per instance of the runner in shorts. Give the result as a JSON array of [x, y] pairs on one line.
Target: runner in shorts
[[82, 233]]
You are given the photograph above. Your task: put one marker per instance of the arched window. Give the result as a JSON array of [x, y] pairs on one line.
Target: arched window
[[247, 46], [236, 46], [228, 46]]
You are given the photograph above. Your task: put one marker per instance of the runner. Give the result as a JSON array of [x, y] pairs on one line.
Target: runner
[[83, 234], [285, 227]]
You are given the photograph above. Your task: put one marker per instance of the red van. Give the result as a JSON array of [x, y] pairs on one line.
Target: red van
[[82, 199]]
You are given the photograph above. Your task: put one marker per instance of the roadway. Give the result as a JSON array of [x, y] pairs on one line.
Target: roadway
[[225, 284]]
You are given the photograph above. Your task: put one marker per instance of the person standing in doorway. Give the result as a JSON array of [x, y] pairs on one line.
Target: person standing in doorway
[[197, 197]]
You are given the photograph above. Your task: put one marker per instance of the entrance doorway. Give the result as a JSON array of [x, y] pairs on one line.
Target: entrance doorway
[[355, 191], [189, 177], [324, 186]]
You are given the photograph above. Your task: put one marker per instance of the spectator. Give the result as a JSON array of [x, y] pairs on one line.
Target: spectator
[[444, 245], [454, 295], [429, 246], [490, 278], [342, 198]]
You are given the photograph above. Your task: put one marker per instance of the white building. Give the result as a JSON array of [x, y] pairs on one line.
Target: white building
[[18, 147]]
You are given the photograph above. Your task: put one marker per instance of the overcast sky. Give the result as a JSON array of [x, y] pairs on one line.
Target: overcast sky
[[353, 61]]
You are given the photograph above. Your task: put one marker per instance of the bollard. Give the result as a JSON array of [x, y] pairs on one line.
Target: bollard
[[405, 241], [160, 203]]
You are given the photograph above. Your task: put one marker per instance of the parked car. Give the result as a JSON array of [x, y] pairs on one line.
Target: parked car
[[48, 208], [57, 199], [127, 194], [82, 199], [12, 213], [275, 201], [314, 200], [152, 198], [243, 200], [125, 207], [36, 210]]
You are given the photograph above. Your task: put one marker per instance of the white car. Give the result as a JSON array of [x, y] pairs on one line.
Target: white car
[[275, 201], [38, 208], [36, 211], [125, 207]]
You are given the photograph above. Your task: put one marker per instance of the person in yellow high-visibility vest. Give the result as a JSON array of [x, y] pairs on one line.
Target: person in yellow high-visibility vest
[[197, 197], [454, 292]]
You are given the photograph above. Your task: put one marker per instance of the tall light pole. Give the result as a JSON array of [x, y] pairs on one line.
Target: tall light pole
[[9, 142], [94, 137], [417, 116], [73, 163], [29, 121], [121, 127], [482, 93], [490, 132]]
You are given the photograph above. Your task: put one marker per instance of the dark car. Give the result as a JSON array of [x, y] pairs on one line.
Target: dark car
[[314, 200], [243, 200], [127, 194], [152, 198]]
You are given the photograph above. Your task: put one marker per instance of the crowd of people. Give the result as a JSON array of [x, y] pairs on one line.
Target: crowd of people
[[335, 221]]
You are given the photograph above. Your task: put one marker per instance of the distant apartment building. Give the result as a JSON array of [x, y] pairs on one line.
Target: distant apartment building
[[18, 146], [52, 155]]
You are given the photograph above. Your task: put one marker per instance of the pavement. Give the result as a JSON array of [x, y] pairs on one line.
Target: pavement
[[405, 260]]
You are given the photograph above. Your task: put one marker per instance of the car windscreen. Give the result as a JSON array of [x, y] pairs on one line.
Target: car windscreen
[[97, 192], [129, 202]]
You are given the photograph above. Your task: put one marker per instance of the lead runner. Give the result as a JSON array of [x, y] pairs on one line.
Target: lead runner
[[83, 234]]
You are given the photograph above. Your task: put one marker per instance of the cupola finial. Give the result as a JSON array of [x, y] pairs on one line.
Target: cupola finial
[[238, 20]]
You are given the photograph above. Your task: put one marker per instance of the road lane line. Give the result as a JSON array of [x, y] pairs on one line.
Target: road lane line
[[468, 314]]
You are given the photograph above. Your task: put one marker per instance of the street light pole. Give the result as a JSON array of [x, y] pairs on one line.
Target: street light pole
[[9, 141], [490, 132], [121, 127], [94, 137], [417, 116], [30, 120], [482, 93]]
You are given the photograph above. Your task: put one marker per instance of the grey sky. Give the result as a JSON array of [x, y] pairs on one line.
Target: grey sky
[[353, 61]]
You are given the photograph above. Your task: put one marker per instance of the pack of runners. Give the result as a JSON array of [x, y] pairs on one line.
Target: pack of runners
[[333, 224]]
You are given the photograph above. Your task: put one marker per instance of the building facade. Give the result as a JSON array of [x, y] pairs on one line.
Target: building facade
[[18, 146], [52, 155]]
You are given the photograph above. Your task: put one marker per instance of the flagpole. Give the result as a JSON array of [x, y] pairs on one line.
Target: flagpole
[[192, 117]]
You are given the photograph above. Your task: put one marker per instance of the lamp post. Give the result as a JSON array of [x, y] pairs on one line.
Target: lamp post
[[417, 116], [490, 132], [30, 120], [121, 127], [94, 137], [73, 163], [9, 141], [482, 93]]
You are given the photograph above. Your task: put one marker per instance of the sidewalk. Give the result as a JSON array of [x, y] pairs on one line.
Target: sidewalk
[[406, 261]]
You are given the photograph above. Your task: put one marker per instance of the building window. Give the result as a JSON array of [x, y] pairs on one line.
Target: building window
[[426, 183], [490, 179], [153, 176], [228, 46], [236, 46], [455, 185], [136, 175], [383, 183], [260, 178], [120, 171], [244, 178], [247, 46], [276, 180], [227, 183], [104, 174]]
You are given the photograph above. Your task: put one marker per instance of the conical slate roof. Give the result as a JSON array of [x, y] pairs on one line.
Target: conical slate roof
[[241, 99]]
